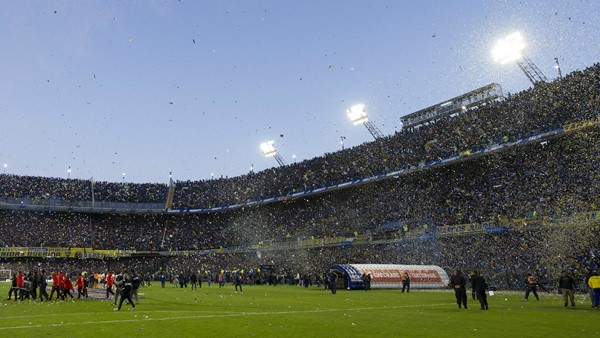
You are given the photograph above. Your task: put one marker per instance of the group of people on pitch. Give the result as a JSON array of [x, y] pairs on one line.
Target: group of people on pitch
[[566, 287], [27, 286], [478, 285]]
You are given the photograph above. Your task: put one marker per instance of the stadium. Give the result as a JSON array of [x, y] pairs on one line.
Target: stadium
[[517, 194], [488, 196]]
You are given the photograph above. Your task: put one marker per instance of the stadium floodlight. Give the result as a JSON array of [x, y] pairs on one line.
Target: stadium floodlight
[[5, 166], [358, 115], [268, 149], [512, 48], [509, 49], [557, 66], [69, 172]]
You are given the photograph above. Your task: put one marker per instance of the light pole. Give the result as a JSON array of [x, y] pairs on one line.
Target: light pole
[[5, 166], [511, 48], [268, 149], [358, 115], [123, 174], [557, 67], [69, 172]]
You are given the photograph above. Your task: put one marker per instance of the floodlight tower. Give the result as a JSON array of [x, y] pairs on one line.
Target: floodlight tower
[[511, 48], [268, 148], [358, 115], [557, 66]]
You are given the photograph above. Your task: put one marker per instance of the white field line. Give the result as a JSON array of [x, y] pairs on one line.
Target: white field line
[[220, 315]]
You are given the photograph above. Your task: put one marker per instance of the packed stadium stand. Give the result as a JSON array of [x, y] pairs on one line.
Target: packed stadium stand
[[508, 187]]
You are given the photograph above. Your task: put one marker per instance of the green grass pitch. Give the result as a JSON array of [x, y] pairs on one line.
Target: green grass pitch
[[291, 311]]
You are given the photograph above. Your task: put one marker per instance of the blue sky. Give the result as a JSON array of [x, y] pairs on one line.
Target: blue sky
[[193, 87]]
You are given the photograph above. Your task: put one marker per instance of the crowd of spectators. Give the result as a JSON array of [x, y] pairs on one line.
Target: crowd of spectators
[[505, 259], [48, 190], [554, 179], [546, 106]]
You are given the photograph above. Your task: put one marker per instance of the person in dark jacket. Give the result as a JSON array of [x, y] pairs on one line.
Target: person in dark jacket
[[479, 286], [194, 280], [34, 285], [458, 282], [42, 284], [136, 281], [532, 284], [406, 282], [126, 290], [13, 287], [566, 284], [239, 279], [332, 282]]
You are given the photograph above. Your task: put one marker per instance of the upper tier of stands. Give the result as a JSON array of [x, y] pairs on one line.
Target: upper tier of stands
[[547, 106]]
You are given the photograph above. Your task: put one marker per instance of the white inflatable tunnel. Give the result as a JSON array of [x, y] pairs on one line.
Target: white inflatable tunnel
[[389, 276]]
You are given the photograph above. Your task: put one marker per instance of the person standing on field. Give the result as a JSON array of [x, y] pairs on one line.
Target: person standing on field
[[126, 290], [109, 284], [566, 285], [332, 282], [479, 286], [594, 283], [532, 283], [458, 282], [42, 284], [135, 285], [81, 287], [406, 282]]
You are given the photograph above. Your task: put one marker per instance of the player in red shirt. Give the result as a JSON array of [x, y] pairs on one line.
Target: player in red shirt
[[55, 285], [81, 287], [21, 285], [109, 284], [61, 284], [67, 287]]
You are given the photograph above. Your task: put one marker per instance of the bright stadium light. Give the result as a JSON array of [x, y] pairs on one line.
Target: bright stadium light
[[509, 49], [5, 166], [69, 172], [557, 66], [512, 48], [268, 149], [358, 115]]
